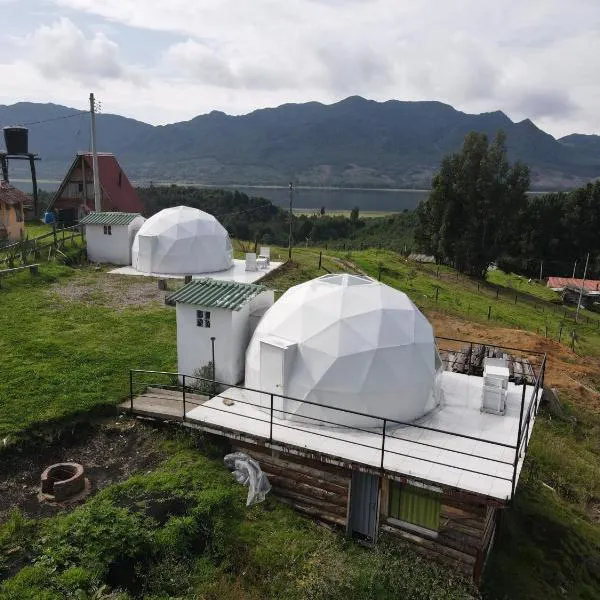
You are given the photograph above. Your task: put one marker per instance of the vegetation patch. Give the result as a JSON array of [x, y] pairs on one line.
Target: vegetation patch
[[183, 531]]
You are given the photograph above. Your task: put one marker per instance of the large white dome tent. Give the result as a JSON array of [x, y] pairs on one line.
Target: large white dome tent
[[182, 240], [346, 341]]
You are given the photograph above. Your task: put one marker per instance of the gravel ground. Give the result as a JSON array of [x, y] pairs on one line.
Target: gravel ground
[[112, 291]]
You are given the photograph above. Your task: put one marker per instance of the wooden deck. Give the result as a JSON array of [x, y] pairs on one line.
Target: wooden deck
[[158, 403]]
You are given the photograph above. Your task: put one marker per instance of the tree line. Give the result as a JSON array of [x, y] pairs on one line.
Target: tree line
[[479, 213], [257, 219]]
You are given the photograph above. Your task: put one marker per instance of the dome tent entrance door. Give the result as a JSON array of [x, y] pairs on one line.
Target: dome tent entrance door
[[276, 356]]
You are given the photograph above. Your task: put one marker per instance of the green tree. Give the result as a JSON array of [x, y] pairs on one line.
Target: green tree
[[354, 214], [474, 206]]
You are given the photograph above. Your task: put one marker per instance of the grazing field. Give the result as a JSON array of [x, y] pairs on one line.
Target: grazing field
[[365, 214]]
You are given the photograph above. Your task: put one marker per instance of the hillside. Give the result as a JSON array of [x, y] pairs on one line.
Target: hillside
[[355, 142]]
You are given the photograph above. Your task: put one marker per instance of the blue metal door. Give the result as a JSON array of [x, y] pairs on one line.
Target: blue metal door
[[364, 505]]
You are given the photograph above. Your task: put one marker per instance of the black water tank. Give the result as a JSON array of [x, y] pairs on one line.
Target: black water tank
[[16, 140]]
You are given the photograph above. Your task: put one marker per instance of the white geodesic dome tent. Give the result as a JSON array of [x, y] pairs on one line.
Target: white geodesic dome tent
[[349, 342], [181, 240]]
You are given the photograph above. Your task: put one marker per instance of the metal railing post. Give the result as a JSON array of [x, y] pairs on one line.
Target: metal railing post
[[383, 442], [131, 390], [271, 422], [518, 448], [183, 396]]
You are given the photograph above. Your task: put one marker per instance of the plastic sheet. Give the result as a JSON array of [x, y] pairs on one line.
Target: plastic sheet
[[248, 472]]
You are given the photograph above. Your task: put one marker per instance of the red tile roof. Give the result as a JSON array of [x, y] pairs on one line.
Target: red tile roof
[[11, 195], [122, 196], [592, 285]]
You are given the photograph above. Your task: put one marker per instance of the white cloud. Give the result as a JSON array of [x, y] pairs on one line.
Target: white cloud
[[61, 50], [531, 59]]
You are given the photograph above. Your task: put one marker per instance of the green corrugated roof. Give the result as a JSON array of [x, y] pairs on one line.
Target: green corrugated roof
[[108, 218], [217, 294]]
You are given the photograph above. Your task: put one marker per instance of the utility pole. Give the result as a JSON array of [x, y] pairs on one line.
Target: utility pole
[[97, 196], [290, 234], [587, 258]]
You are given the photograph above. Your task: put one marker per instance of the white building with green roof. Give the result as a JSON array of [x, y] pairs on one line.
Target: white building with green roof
[[110, 236], [224, 310]]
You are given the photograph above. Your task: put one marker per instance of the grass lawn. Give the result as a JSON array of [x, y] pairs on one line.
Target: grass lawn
[[61, 356]]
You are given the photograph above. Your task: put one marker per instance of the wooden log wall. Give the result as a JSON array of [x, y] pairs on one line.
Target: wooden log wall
[[313, 488], [467, 361], [320, 491]]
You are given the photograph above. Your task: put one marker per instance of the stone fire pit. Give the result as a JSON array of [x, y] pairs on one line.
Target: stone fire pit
[[63, 482]]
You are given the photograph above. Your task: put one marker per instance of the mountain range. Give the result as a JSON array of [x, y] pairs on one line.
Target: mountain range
[[354, 143]]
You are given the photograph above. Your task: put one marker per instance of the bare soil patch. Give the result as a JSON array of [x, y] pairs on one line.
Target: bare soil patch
[[571, 374], [110, 451], [112, 291]]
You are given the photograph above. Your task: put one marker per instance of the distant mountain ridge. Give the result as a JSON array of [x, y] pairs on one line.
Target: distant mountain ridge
[[354, 143]]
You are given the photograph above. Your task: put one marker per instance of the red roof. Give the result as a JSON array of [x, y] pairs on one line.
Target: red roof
[[121, 194], [11, 195], [591, 285]]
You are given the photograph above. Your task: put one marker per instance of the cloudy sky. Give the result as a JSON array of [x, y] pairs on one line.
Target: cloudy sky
[[167, 60]]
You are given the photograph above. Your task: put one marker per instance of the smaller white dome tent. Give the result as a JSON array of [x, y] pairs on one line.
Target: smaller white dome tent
[[181, 240], [350, 342]]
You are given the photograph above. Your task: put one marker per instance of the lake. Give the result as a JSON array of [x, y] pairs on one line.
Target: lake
[[341, 198], [332, 199]]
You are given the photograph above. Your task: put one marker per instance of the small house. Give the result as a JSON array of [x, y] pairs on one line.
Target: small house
[[110, 236], [75, 197], [12, 207], [215, 320]]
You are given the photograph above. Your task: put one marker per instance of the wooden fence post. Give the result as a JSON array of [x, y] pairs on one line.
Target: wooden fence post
[[489, 312]]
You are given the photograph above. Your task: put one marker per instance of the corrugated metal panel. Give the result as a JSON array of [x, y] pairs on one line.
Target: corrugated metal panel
[[217, 294], [415, 505], [363, 508], [108, 218]]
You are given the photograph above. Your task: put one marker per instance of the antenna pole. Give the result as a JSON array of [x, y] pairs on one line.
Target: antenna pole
[[290, 234], [97, 196], [587, 258]]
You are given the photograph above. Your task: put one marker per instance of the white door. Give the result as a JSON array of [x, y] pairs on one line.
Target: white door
[[275, 356]]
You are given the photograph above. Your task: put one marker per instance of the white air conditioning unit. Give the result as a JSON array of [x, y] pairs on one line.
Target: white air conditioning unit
[[495, 385]]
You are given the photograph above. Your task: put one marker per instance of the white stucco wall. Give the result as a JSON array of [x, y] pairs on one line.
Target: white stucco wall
[[231, 330], [114, 248], [194, 349]]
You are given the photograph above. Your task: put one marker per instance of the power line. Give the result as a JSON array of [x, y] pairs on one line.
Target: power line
[[81, 112]]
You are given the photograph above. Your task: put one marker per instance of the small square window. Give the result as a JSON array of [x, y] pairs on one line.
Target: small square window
[[107, 230], [200, 318]]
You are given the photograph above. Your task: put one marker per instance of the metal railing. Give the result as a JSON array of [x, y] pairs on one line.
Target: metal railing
[[384, 429]]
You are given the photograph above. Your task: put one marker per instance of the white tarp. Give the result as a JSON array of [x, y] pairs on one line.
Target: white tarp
[[358, 345], [247, 471], [181, 240]]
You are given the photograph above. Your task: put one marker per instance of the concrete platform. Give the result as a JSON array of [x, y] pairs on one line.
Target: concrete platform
[[237, 273]]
